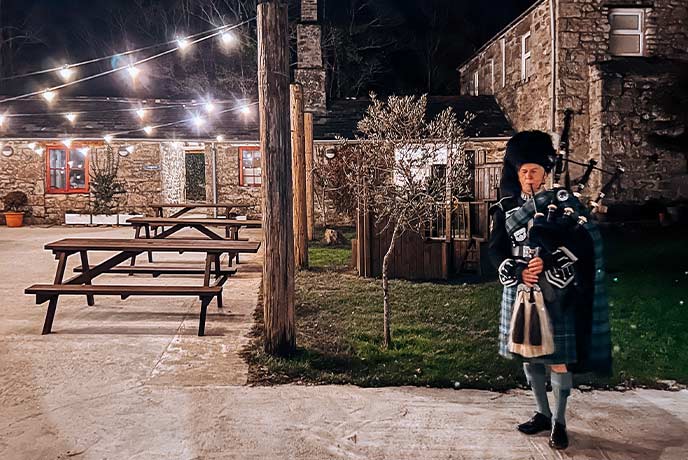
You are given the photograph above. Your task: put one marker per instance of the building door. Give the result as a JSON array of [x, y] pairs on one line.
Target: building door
[[195, 176]]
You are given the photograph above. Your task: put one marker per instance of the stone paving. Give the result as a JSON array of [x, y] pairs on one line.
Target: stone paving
[[131, 380]]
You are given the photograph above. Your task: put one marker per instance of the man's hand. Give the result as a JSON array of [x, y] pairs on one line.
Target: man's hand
[[529, 278], [536, 265]]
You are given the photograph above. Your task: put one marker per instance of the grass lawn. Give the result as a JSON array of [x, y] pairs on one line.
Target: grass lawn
[[447, 332]]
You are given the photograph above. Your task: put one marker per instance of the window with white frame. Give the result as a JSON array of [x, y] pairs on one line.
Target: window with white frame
[[526, 61], [476, 82], [502, 43], [626, 34], [250, 166]]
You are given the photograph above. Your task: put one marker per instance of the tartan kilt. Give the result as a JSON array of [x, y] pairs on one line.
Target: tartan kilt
[[563, 327]]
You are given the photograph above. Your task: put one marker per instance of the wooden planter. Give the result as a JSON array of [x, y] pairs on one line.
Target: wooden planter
[[14, 219]]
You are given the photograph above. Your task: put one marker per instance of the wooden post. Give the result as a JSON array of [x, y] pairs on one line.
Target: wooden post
[[278, 236], [310, 150], [298, 147]]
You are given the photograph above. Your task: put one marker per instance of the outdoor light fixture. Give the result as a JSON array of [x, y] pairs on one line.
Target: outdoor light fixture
[[71, 117], [148, 130], [141, 113], [330, 153], [66, 72], [108, 138], [48, 95], [182, 43], [220, 138], [67, 142], [133, 71]]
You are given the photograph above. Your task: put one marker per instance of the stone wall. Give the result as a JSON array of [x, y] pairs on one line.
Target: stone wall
[[623, 122], [526, 103], [310, 71]]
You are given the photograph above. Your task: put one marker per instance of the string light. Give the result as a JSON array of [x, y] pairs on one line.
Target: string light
[[220, 138], [183, 43], [133, 71], [198, 121], [141, 113], [148, 130], [48, 95], [245, 110], [209, 107], [66, 72], [71, 117], [227, 38], [108, 138]]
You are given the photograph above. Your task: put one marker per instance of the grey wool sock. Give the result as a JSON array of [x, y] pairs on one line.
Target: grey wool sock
[[561, 387], [537, 375]]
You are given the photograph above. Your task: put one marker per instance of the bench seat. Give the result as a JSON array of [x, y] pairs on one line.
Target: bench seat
[[162, 270], [51, 292]]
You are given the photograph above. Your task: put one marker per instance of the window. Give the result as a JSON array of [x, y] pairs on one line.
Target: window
[[250, 170], [475, 83], [526, 66], [67, 169], [503, 46], [626, 35]]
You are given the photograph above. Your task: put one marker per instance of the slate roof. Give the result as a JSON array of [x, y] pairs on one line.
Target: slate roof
[[113, 115], [343, 116]]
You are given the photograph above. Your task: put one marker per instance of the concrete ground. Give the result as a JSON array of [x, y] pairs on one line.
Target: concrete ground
[[131, 380]]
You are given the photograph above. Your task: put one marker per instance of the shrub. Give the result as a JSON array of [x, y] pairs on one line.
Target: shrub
[[15, 201]]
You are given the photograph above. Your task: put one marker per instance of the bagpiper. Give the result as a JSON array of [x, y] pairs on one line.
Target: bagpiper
[[548, 255]]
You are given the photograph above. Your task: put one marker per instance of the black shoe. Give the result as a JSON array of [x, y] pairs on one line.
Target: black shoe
[[558, 439], [538, 423]]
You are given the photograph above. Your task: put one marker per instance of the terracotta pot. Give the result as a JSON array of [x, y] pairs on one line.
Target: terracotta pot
[[14, 219]]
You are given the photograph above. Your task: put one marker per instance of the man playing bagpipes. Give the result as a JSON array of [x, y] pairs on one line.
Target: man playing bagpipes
[[548, 254]]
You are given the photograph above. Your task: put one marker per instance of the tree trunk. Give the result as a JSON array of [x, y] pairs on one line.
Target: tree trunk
[[310, 202], [278, 236], [299, 178], [387, 309]]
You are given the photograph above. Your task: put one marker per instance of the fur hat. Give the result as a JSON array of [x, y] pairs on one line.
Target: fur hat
[[525, 147]]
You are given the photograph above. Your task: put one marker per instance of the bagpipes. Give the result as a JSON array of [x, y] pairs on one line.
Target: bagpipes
[[557, 222]]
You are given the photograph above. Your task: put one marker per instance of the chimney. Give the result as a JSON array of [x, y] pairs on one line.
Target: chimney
[[310, 71]]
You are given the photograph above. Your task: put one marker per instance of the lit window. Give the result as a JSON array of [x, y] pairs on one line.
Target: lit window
[[250, 170], [626, 36], [526, 65], [67, 170]]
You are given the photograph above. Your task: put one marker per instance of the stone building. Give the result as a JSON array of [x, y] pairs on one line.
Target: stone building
[[615, 63]]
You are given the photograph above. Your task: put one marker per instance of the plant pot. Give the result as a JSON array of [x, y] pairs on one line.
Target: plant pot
[[104, 219], [14, 219], [77, 219]]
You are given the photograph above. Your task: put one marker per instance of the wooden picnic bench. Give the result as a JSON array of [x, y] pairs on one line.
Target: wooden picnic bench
[[186, 207], [176, 224], [81, 284]]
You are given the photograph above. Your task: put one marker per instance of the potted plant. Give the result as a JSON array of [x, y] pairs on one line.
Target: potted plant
[[15, 202]]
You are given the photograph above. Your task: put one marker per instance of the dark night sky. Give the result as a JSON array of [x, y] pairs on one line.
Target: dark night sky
[[69, 30]]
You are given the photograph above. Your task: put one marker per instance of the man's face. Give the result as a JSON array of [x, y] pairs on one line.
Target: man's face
[[531, 174]]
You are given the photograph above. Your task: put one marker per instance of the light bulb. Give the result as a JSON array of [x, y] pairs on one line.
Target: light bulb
[[66, 72], [227, 38], [209, 107], [148, 130], [133, 71], [48, 95], [182, 43], [71, 117], [245, 110], [108, 138], [141, 113], [220, 138]]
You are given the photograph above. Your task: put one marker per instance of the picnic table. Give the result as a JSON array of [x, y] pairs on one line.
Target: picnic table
[[124, 248], [176, 224], [186, 207]]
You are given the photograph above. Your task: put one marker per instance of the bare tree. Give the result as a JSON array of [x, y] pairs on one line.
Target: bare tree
[[390, 170]]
